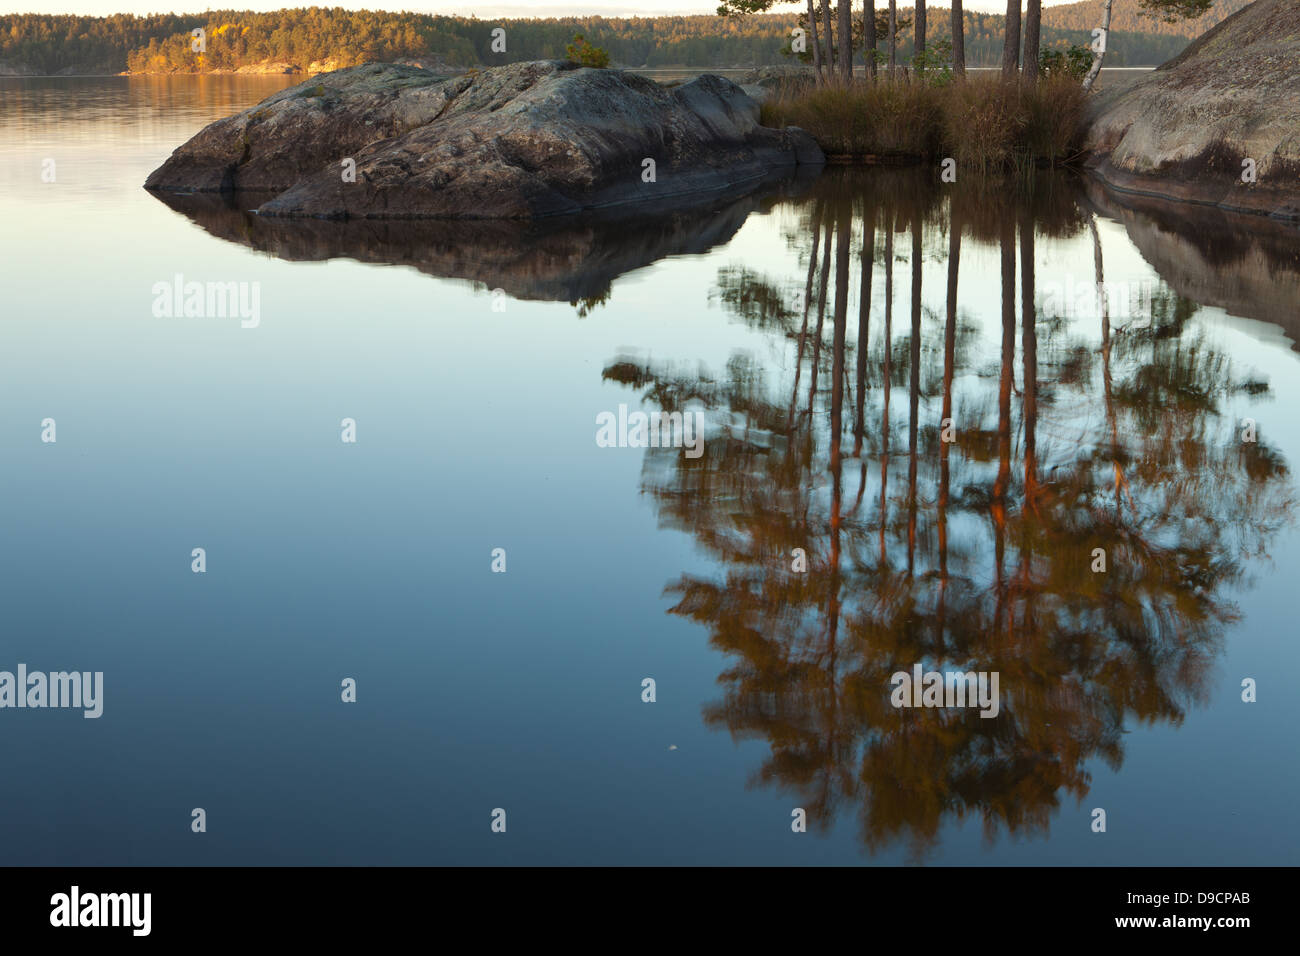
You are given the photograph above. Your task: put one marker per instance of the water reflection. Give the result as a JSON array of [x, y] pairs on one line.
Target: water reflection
[[974, 547], [566, 259], [1246, 265]]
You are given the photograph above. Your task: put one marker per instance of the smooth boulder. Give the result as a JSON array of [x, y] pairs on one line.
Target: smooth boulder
[[1218, 125], [513, 142]]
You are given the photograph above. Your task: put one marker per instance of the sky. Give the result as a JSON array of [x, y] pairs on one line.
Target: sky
[[483, 10]]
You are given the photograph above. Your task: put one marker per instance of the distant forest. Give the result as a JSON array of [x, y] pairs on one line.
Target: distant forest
[[160, 43]]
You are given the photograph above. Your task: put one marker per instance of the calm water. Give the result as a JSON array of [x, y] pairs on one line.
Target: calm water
[[826, 330]]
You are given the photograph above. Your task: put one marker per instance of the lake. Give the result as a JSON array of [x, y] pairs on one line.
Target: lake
[[896, 474]]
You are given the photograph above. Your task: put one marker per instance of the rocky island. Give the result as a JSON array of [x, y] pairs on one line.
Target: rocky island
[[523, 141]]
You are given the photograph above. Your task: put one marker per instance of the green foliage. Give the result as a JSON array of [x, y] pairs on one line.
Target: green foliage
[[48, 43], [301, 36], [1074, 61], [933, 65], [584, 54], [744, 8], [902, 24]]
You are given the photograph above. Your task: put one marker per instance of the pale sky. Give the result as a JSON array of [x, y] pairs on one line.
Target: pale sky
[[484, 11]]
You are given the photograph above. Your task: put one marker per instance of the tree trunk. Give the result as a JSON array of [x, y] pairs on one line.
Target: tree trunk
[[914, 391], [869, 35], [838, 347], [949, 361], [846, 40], [998, 504], [812, 38], [1029, 333], [918, 28], [958, 39], [1011, 42], [821, 317], [807, 303], [893, 37], [1103, 303], [829, 39], [886, 374], [864, 323], [1033, 29], [1099, 48]]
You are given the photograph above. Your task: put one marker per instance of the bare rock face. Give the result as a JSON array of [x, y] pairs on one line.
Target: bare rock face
[[17, 69], [513, 142], [296, 131], [1187, 130]]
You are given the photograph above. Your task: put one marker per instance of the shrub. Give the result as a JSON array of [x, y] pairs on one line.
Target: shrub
[[1072, 62], [933, 64], [584, 54]]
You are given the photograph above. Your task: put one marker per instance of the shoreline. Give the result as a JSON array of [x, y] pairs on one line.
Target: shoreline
[[457, 71], [1271, 204]]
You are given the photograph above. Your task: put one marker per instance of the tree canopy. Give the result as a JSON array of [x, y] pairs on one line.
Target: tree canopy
[[48, 43]]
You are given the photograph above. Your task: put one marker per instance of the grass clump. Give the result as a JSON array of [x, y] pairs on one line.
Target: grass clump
[[1054, 119], [982, 122], [862, 119]]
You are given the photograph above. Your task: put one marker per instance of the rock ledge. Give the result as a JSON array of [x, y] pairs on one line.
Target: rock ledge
[[1186, 131], [514, 142]]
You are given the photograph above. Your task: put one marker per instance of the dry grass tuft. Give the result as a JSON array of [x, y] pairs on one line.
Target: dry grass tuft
[[982, 122]]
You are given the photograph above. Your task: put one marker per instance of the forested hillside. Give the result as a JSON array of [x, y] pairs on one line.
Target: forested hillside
[[1127, 16], [49, 44]]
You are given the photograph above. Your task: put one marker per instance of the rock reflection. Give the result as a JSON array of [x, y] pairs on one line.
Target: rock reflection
[[1246, 265], [564, 259], [971, 547]]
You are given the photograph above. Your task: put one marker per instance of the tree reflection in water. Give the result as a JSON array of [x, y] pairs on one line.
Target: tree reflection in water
[[974, 554]]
